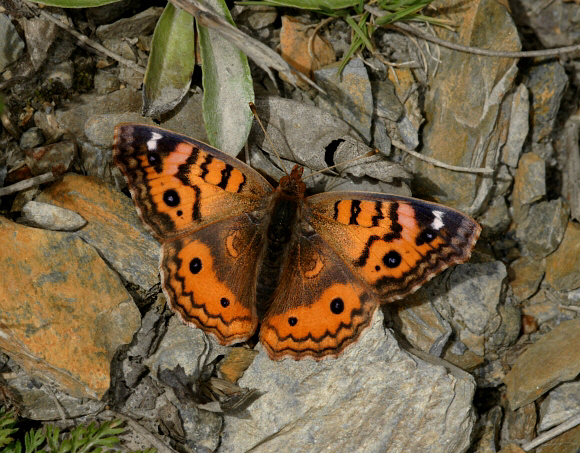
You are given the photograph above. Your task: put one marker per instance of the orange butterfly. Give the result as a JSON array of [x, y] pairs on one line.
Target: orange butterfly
[[311, 271]]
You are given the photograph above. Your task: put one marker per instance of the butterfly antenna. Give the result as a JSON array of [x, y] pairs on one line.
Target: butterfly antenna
[[371, 153], [255, 113]]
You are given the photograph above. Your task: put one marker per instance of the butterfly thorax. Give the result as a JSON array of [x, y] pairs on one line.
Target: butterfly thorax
[[284, 220]]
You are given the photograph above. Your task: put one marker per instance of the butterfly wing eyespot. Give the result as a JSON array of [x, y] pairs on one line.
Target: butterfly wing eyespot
[[395, 244], [319, 308], [179, 184]]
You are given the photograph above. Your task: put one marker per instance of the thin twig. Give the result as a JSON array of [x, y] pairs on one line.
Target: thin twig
[[569, 307], [90, 43], [57, 402], [27, 184], [545, 437], [313, 35], [440, 164], [474, 50]]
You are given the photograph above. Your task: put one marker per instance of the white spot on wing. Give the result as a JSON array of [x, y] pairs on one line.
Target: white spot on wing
[[152, 144], [437, 223]]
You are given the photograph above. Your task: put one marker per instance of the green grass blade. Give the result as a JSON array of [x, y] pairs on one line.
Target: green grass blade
[[360, 32]]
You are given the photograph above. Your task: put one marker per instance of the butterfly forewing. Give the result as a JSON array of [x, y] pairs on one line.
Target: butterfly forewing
[[395, 244], [179, 184]]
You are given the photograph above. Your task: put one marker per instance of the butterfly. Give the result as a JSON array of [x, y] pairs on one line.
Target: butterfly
[[309, 272]]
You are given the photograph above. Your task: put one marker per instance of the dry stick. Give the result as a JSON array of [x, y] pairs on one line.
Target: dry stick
[[89, 42], [57, 402], [438, 163], [313, 35], [474, 50], [545, 437], [27, 184], [255, 113]]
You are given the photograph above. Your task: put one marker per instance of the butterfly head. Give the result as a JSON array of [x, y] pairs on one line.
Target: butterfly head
[[292, 184]]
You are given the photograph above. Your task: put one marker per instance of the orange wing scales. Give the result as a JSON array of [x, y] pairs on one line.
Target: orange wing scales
[[210, 281], [324, 327], [179, 184], [320, 308], [395, 245]]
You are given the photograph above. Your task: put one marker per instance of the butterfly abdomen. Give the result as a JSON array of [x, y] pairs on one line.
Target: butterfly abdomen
[[280, 234]]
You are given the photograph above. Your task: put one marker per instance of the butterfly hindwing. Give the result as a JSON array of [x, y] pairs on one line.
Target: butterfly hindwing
[[395, 244], [179, 184], [320, 306], [209, 277]]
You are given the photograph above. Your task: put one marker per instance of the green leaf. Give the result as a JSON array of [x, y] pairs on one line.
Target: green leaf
[[75, 3], [171, 62], [228, 87], [33, 439]]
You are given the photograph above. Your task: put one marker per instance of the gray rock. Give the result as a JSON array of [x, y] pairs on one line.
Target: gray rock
[[32, 138], [526, 273], [544, 228], [473, 296], [62, 73], [11, 46], [184, 346], [555, 24], [496, 218], [189, 119], [106, 83], [38, 402], [553, 359], [57, 158], [487, 431], [387, 104], [299, 132], [349, 97], [99, 129], [192, 350], [40, 35], [408, 132], [255, 16], [51, 217], [546, 81], [509, 330], [467, 107], [503, 181], [374, 397], [561, 403], [202, 428], [47, 123], [121, 47], [88, 105], [518, 128], [529, 184], [131, 27]]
